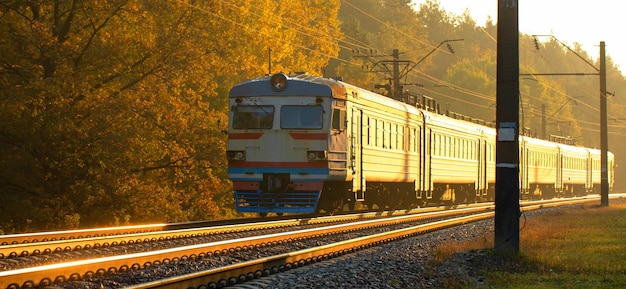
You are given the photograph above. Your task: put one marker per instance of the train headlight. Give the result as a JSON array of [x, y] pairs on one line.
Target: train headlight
[[236, 155], [278, 82], [316, 155]]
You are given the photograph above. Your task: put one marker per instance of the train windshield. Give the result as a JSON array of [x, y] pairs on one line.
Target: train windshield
[[301, 117], [253, 117]]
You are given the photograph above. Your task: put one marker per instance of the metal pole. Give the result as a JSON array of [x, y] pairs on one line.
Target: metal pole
[[543, 121], [507, 121], [397, 93], [604, 186]]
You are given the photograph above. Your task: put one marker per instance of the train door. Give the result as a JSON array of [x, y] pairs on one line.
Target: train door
[[420, 186], [481, 185], [589, 169], [524, 190], [610, 172], [425, 162], [356, 154], [558, 186]]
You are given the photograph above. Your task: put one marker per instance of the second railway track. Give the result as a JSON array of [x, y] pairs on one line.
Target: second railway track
[[236, 253], [38, 244]]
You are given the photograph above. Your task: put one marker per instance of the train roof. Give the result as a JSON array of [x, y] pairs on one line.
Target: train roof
[[355, 92], [307, 85], [443, 120], [537, 141], [315, 86], [321, 86]]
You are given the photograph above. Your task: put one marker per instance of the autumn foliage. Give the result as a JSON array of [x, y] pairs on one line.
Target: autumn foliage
[[113, 111]]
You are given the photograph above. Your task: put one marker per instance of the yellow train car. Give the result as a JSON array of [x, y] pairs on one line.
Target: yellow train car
[[303, 144]]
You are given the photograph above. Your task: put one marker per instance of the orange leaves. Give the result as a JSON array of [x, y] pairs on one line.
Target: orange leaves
[[114, 105]]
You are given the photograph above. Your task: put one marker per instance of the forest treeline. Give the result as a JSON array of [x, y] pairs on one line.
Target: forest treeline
[[112, 112]]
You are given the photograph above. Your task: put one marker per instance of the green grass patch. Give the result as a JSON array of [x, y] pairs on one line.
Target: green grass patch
[[579, 248]]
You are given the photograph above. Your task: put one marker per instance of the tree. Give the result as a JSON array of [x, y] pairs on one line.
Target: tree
[[113, 110]]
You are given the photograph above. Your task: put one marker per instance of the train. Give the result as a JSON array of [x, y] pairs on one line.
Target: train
[[299, 143]]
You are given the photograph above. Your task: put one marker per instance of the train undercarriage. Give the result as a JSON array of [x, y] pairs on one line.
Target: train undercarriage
[[338, 196]]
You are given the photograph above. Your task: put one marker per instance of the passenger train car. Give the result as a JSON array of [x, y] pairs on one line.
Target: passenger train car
[[303, 144]]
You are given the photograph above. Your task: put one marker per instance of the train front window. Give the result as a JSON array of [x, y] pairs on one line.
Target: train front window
[[253, 117], [301, 117]]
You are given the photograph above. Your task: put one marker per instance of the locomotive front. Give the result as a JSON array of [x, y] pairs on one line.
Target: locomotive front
[[278, 144]]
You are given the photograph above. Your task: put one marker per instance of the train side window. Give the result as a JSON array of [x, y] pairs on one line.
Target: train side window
[[385, 136], [380, 141], [368, 131], [392, 136], [474, 149], [401, 138], [440, 144], [253, 117], [455, 148], [412, 140], [452, 147], [339, 119], [440, 141], [464, 150], [372, 131]]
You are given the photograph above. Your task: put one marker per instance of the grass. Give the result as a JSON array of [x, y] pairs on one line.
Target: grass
[[578, 248]]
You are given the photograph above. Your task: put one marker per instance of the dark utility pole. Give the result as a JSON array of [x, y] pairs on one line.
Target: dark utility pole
[[391, 68], [604, 147], [396, 69], [397, 88], [543, 121], [507, 123]]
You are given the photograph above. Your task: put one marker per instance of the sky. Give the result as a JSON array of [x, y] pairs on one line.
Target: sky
[[582, 21]]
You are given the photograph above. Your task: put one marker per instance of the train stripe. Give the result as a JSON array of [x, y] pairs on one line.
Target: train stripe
[[309, 136], [251, 178], [280, 165], [296, 172], [245, 135]]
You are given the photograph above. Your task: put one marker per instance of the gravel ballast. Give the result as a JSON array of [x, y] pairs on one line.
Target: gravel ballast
[[406, 263], [401, 264]]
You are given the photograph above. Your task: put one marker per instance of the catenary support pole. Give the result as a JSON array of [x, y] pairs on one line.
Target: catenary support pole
[[507, 125], [604, 176]]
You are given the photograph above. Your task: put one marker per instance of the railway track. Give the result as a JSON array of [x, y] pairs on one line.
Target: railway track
[[15, 239], [24, 245], [375, 231]]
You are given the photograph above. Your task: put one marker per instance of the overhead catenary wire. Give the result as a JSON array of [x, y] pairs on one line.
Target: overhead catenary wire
[[349, 43]]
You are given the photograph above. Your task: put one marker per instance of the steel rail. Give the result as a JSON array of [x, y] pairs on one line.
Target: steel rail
[[75, 234], [13, 239], [71, 240], [26, 249], [49, 274], [245, 271]]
